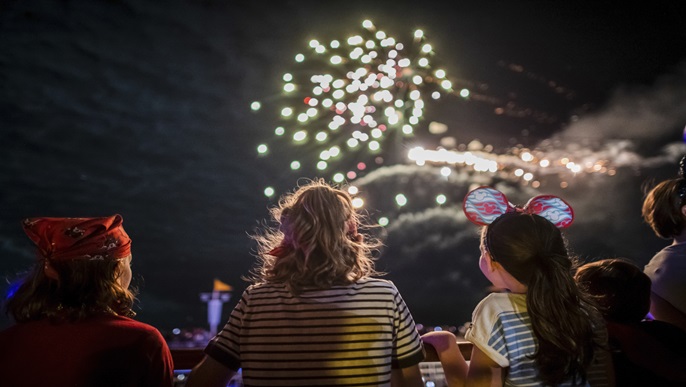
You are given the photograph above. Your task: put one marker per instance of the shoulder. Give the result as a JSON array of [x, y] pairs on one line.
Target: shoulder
[[375, 282], [497, 303], [665, 332], [376, 285], [126, 325], [672, 255]]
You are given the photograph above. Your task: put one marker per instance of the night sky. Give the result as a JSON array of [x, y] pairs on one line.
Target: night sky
[[143, 109]]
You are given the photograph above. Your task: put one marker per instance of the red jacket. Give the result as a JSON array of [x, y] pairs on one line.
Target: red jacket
[[103, 350]]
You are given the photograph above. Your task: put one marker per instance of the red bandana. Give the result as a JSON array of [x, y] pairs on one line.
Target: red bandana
[[63, 239]]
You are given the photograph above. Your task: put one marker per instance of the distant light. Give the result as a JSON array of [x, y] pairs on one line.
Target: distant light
[[446, 84], [441, 199], [400, 199], [527, 156], [446, 171], [464, 93], [300, 135], [262, 149], [287, 77], [321, 165], [269, 192], [288, 87], [440, 73], [355, 40], [299, 58], [255, 106], [295, 164], [367, 24], [437, 127], [353, 190], [337, 178], [544, 163], [321, 136], [426, 48], [374, 145], [336, 59], [279, 131], [286, 112], [383, 221], [358, 202], [418, 34], [176, 331]]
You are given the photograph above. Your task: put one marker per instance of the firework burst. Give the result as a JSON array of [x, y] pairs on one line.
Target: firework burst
[[348, 107], [346, 101]]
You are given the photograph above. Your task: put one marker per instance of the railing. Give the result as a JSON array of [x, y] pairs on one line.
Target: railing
[[186, 358]]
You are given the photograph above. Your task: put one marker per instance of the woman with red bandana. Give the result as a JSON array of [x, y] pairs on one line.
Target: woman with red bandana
[[73, 312]]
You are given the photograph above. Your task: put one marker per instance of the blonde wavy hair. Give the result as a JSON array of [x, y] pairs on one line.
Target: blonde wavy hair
[[316, 243]]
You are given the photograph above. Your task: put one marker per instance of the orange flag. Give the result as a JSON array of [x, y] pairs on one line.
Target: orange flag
[[220, 286]]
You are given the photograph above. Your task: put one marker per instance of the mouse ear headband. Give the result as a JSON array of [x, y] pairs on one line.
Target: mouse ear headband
[[484, 205]]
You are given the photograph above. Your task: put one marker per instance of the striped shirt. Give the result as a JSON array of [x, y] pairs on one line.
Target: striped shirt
[[349, 335], [501, 329]]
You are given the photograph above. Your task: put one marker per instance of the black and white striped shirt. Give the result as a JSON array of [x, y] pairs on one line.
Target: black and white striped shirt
[[349, 335]]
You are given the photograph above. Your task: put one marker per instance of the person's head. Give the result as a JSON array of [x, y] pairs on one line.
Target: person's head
[[620, 288], [317, 242], [83, 268], [664, 208], [528, 245]]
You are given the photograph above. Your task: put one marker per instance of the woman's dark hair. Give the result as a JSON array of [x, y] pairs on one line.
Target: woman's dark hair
[[533, 251], [619, 287], [85, 287], [662, 208]]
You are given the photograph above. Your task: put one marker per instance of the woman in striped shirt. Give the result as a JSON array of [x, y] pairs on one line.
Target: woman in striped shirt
[[315, 315]]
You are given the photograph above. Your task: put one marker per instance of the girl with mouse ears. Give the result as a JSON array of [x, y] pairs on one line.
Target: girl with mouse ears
[[540, 328]]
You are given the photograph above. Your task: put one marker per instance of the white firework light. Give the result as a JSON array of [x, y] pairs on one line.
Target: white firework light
[[349, 97], [347, 107]]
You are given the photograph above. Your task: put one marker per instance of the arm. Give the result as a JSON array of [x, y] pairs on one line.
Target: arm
[[662, 310], [209, 373], [406, 377], [483, 371], [449, 354]]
